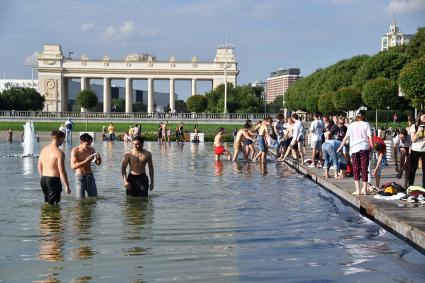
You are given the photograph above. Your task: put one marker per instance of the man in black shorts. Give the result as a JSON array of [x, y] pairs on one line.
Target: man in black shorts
[[51, 167], [137, 183]]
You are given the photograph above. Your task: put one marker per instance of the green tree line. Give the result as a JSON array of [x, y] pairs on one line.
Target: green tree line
[[364, 80], [20, 98]]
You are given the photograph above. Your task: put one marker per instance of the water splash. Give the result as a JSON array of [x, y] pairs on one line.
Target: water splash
[[29, 143]]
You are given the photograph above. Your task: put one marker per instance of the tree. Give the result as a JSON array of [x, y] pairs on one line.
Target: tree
[[180, 106], [119, 104], [86, 99], [346, 99], [21, 98], [378, 94], [197, 103], [325, 103], [412, 82], [311, 103]]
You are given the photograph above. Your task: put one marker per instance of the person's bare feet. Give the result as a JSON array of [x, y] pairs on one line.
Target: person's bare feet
[[356, 193]]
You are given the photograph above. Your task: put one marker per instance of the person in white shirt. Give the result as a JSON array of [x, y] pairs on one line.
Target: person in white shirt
[[297, 138], [316, 131], [401, 145], [359, 135]]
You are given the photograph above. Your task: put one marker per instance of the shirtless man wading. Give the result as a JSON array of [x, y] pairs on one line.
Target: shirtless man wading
[[81, 158], [137, 183], [51, 167]]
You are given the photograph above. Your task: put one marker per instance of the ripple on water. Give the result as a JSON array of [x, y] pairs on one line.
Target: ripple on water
[[205, 221]]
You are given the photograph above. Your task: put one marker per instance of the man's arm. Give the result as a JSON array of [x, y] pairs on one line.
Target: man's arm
[[74, 161], [124, 165], [378, 163], [62, 172], [40, 167], [151, 172], [344, 141]]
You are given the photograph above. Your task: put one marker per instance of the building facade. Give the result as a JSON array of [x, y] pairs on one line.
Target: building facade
[[55, 71], [394, 37], [279, 81], [18, 83]]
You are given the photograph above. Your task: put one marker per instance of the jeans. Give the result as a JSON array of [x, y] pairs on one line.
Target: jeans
[[330, 156], [85, 183]]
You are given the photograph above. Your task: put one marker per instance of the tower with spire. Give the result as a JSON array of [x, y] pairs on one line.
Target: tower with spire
[[394, 37]]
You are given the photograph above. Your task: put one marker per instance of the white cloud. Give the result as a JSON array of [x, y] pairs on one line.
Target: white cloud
[[87, 26], [406, 6], [121, 32], [31, 59], [127, 28]]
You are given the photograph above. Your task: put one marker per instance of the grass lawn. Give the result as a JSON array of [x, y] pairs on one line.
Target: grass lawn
[[149, 130]]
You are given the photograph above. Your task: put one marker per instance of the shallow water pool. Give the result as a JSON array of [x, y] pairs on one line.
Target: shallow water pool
[[205, 221]]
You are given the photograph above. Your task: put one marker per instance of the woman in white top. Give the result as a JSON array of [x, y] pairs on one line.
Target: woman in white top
[[417, 132], [360, 136]]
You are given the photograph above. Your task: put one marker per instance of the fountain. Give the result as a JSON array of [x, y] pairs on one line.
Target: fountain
[[29, 142]]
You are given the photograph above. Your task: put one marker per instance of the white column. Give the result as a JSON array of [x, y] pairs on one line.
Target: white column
[[172, 104], [128, 95], [106, 95], [193, 86], [150, 95], [84, 84]]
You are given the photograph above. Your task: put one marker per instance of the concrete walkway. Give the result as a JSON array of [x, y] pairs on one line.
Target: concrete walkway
[[405, 220]]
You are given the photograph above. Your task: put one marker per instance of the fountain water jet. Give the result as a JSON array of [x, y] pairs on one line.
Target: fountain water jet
[[29, 143]]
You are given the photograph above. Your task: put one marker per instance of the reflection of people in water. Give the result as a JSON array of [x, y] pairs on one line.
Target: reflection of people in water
[[138, 215], [218, 167], [82, 223], [9, 135], [51, 230]]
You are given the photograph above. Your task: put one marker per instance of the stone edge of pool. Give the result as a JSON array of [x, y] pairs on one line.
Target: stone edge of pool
[[404, 229]]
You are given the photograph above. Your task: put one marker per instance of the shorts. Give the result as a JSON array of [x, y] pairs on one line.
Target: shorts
[[406, 149], [317, 144], [219, 150], [287, 142], [247, 142], [85, 183], [262, 143], [139, 185], [52, 188]]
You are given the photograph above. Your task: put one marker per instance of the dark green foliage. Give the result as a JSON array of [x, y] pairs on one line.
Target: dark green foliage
[[412, 82], [240, 99], [387, 115], [354, 72], [119, 105], [180, 106], [346, 99], [197, 103], [385, 64], [87, 99], [325, 103], [379, 93], [21, 98]]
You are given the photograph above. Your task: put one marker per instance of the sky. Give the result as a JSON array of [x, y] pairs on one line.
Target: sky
[[268, 34]]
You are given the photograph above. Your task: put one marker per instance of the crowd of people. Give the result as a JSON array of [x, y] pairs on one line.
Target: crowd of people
[[350, 147]]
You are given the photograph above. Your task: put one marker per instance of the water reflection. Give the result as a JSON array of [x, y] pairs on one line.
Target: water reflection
[[51, 230], [81, 226], [218, 167], [138, 216], [27, 166]]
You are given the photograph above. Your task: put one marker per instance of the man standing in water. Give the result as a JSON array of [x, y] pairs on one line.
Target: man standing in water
[[51, 167], [137, 183], [218, 146], [81, 157]]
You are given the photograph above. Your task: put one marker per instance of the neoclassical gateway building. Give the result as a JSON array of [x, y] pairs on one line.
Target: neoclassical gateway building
[[55, 71]]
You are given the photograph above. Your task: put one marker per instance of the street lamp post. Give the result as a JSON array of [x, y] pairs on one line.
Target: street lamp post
[[226, 46], [32, 73]]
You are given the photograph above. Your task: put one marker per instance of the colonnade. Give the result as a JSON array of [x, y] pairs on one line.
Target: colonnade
[[85, 84]]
